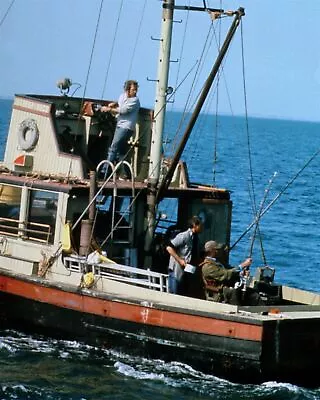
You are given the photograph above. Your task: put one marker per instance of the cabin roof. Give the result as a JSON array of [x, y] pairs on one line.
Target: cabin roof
[[64, 184]]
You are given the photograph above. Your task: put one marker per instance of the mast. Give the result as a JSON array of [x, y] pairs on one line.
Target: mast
[[161, 90], [159, 117], [155, 194], [167, 179]]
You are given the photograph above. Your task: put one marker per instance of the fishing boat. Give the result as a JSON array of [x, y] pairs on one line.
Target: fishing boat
[[80, 251]]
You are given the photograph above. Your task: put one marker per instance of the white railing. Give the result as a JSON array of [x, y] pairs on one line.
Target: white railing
[[122, 273]]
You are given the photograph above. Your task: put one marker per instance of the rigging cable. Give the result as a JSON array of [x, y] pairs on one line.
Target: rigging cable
[[222, 69], [183, 117], [192, 89], [251, 187], [172, 96], [182, 49], [202, 120], [6, 13], [136, 41], [267, 208], [88, 73], [214, 90], [205, 51], [215, 143], [112, 48], [93, 47], [221, 73], [258, 216]]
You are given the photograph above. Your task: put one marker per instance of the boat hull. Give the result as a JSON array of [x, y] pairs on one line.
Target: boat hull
[[240, 349]]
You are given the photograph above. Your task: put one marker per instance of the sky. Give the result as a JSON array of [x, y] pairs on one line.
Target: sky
[[276, 50]]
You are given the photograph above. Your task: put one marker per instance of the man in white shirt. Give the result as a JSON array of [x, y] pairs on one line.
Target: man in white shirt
[[183, 249]]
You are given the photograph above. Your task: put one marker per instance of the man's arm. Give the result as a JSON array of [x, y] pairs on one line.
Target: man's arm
[[111, 107], [174, 254]]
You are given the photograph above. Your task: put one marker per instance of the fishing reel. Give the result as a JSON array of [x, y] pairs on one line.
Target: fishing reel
[[265, 274], [244, 276]]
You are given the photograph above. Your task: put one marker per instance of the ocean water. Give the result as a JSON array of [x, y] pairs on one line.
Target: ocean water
[[36, 367]]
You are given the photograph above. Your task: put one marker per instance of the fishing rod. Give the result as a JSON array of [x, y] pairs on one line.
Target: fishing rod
[[275, 198], [245, 271], [258, 217]]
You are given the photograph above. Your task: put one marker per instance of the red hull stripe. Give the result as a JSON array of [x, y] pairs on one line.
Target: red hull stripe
[[131, 312]]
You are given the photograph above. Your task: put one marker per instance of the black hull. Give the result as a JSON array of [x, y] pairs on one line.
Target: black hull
[[241, 361], [194, 349]]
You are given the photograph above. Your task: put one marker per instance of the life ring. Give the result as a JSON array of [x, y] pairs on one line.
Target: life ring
[[28, 134]]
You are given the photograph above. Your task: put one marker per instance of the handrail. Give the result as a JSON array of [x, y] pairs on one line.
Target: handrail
[[17, 228], [123, 273], [4, 228]]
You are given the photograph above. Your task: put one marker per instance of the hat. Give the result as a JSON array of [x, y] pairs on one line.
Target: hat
[[212, 245]]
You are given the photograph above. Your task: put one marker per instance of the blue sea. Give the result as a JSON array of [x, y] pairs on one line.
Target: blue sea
[[265, 163]]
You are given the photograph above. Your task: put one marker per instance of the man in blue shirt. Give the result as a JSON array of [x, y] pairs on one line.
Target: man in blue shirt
[[126, 111]]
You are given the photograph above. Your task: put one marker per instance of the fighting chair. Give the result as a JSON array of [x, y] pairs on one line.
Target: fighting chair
[[213, 290]]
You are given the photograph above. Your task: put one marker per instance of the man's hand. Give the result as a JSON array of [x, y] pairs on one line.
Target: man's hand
[[246, 263], [182, 262], [111, 107]]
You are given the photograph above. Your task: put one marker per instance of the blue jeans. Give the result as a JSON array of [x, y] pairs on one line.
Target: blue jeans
[[119, 146], [173, 283]]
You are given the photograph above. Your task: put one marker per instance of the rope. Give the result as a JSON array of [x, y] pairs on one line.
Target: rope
[[111, 53], [6, 13]]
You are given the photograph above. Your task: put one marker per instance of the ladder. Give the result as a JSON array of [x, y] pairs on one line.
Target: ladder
[[121, 238]]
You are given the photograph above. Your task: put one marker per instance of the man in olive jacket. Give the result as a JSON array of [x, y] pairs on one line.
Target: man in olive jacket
[[216, 275]]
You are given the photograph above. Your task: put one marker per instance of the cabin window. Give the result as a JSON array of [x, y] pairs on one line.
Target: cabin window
[[216, 218], [42, 216], [167, 217], [10, 198]]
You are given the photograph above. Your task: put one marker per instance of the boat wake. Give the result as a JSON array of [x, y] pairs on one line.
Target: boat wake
[[188, 380], [36, 367]]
